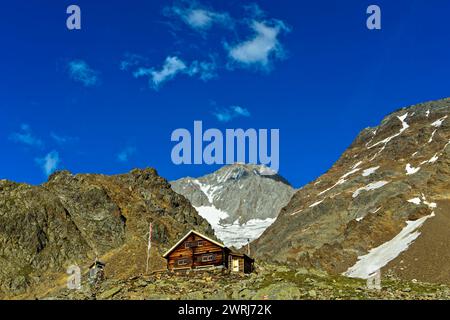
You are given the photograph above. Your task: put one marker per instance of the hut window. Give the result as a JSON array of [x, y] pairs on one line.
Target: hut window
[[182, 262], [190, 244], [208, 257]]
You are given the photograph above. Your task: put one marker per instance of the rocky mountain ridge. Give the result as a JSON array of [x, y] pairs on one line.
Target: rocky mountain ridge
[[72, 219], [383, 205]]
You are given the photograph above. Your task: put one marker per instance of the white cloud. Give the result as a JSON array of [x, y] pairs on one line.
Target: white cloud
[[173, 66], [49, 163], [240, 111], [131, 60], [25, 136], [228, 114], [80, 71], [204, 69], [262, 47], [258, 51], [254, 11], [60, 139], [199, 18]]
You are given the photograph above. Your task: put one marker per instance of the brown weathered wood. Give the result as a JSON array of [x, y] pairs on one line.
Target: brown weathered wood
[[192, 249], [196, 252]]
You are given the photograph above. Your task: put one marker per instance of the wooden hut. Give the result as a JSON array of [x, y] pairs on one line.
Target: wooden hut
[[197, 251]]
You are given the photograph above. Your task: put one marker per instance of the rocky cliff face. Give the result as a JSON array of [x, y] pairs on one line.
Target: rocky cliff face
[[383, 205], [239, 200], [72, 219]]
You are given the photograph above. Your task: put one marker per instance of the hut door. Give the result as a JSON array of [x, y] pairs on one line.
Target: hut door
[[235, 265]]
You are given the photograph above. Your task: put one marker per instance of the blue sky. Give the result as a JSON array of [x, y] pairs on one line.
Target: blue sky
[[106, 98]]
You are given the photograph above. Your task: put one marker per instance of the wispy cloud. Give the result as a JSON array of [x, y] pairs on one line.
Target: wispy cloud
[[198, 17], [254, 11], [131, 60], [173, 66], [230, 113], [49, 163], [25, 136], [125, 154], [261, 48], [61, 139], [205, 70], [81, 72], [258, 49]]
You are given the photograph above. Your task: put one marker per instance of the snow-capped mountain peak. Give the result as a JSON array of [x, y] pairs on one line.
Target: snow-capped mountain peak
[[240, 200]]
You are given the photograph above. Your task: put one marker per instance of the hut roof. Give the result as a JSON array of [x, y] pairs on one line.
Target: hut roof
[[97, 263], [187, 235]]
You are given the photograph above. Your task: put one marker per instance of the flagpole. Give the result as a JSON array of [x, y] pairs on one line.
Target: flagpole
[[149, 246]]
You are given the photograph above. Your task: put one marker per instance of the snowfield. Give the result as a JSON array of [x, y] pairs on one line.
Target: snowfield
[[432, 160], [212, 214], [341, 181], [233, 234], [411, 170], [384, 142], [416, 201], [379, 257], [369, 187], [387, 140], [439, 122], [432, 136], [207, 190], [316, 203], [370, 171]]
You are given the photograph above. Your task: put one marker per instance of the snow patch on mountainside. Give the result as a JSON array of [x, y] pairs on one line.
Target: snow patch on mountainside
[[387, 140], [316, 203], [370, 171], [416, 201], [411, 170], [212, 214], [379, 257], [432, 160], [369, 187], [341, 181], [350, 173], [235, 234], [439, 122], [432, 136], [207, 190], [384, 142]]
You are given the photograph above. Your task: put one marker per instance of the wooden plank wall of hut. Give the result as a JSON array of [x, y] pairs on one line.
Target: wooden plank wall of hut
[[192, 251]]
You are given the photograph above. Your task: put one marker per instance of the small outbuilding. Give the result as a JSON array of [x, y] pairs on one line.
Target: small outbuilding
[[197, 251], [97, 272]]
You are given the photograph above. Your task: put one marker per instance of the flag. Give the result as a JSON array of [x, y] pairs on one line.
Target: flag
[[150, 237], [149, 246]]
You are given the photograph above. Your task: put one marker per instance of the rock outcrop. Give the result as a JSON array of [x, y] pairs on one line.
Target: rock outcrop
[[71, 219]]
